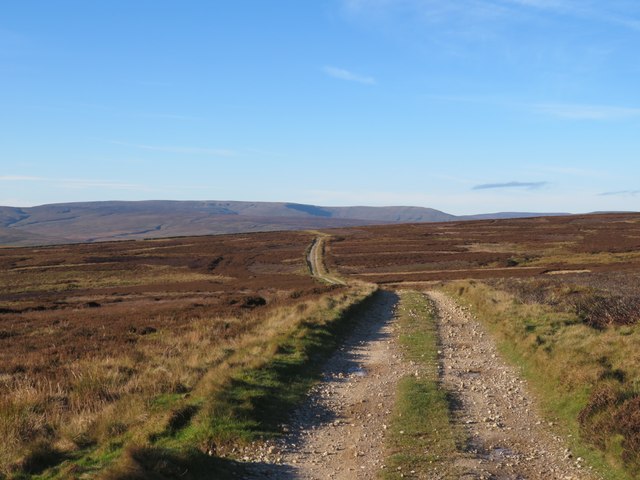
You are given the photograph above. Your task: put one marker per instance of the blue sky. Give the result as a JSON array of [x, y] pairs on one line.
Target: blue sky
[[468, 106]]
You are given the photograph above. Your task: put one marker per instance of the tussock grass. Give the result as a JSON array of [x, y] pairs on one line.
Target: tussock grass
[[422, 440], [101, 399], [586, 378], [219, 384]]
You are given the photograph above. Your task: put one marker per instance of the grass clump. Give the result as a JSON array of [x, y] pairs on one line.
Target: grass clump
[[422, 440]]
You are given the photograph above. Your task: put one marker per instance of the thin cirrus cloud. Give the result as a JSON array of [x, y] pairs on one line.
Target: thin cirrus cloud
[[566, 111], [437, 11], [74, 182], [342, 74], [214, 152], [527, 185], [615, 12], [116, 111], [632, 193], [82, 184], [18, 178], [587, 112]]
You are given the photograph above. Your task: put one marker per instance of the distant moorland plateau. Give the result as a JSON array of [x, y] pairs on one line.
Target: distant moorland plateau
[[123, 220]]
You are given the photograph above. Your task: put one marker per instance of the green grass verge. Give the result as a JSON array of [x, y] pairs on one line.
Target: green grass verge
[[421, 442], [258, 400]]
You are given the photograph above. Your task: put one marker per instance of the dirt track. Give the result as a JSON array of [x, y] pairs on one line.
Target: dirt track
[[315, 261], [339, 432], [507, 437]]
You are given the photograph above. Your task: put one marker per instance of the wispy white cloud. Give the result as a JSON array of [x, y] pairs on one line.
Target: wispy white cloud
[[214, 152], [616, 12], [115, 111], [83, 184], [528, 185], [342, 74], [569, 111], [586, 112], [79, 183], [625, 193], [438, 10], [18, 178]]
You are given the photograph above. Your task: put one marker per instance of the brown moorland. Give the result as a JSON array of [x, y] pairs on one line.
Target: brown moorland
[[90, 333], [488, 249], [562, 297], [61, 304]]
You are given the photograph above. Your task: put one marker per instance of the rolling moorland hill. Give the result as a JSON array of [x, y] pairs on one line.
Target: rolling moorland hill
[[101, 221]]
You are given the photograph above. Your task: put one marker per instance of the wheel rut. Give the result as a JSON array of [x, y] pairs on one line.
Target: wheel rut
[[338, 433], [315, 262], [507, 437]]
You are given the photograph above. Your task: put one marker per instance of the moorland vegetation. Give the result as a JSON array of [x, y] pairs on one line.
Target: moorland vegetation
[[140, 359]]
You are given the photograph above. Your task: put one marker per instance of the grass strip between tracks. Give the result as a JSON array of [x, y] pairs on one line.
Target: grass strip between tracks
[[421, 440]]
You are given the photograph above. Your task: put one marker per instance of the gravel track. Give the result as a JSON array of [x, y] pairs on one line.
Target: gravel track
[[315, 261], [508, 439], [338, 433]]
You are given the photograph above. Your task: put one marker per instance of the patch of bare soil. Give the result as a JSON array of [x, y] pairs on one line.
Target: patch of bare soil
[[338, 433], [508, 439]]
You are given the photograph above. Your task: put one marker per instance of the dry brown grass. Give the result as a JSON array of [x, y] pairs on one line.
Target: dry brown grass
[[108, 345], [146, 325], [487, 249], [97, 399]]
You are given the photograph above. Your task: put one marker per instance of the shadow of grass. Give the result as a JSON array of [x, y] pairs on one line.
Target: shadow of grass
[[151, 463], [41, 456], [258, 401]]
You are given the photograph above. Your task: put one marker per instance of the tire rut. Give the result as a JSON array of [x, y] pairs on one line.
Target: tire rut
[[338, 432], [507, 438]]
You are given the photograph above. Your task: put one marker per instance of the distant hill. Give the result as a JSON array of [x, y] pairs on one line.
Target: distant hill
[[101, 221]]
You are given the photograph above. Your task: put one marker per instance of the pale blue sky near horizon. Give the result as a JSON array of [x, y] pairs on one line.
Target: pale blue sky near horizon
[[470, 106]]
